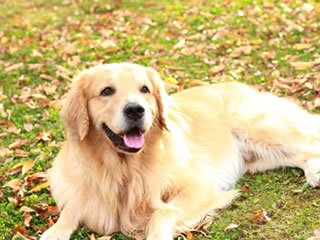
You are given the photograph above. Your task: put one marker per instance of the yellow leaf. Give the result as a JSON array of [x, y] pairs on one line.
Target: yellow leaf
[[171, 80], [301, 65], [27, 166], [256, 41], [4, 40], [301, 46], [40, 187]]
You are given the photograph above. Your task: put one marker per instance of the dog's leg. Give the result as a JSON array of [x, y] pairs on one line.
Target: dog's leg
[[311, 168], [63, 228], [278, 133], [185, 210]]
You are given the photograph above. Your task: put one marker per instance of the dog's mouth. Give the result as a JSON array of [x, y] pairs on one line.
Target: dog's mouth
[[131, 141]]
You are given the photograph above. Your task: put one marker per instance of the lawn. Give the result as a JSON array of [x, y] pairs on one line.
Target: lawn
[[272, 45]]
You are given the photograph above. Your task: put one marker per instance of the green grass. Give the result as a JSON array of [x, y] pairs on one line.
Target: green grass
[[197, 35]]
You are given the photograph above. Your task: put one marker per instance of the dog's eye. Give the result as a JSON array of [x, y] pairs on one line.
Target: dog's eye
[[108, 91], [145, 89]]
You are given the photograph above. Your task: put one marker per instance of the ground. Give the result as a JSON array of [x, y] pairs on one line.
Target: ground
[[272, 45]]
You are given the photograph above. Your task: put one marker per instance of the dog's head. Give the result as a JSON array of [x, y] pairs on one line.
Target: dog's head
[[123, 101]]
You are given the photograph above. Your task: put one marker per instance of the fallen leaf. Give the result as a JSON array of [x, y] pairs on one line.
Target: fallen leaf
[[35, 66], [92, 237], [260, 216], [4, 151], [231, 226], [180, 44], [245, 188], [14, 67], [20, 153], [197, 82], [217, 69], [27, 220], [20, 229], [19, 236], [53, 210], [301, 65], [27, 127], [27, 209], [241, 51], [189, 236], [13, 129], [296, 191], [40, 186], [104, 238], [171, 80], [301, 46], [14, 184]]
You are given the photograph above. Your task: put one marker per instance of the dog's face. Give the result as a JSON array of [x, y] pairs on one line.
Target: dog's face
[[121, 100]]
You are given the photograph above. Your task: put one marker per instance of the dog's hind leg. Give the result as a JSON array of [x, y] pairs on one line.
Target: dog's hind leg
[[278, 133]]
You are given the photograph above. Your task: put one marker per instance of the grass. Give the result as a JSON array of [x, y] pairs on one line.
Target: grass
[[44, 43]]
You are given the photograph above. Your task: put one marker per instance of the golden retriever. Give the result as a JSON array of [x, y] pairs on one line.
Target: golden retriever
[[148, 165]]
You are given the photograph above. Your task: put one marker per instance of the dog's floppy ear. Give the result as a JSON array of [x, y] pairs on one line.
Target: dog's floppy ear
[[161, 96], [74, 112]]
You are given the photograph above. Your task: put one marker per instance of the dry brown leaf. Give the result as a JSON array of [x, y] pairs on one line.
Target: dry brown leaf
[[241, 51], [27, 127], [21, 229], [18, 143], [45, 136], [48, 77], [189, 236], [14, 67], [12, 129], [197, 82], [27, 220], [20, 153], [296, 191], [217, 69], [52, 210], [245, 188], [69, 49], [19, 235], [35, 66], [231, 226], [4, 151], [14, 184], [260, 216], [49, 88], [57, 105], [39, 176], [92, 237], [26, 209]]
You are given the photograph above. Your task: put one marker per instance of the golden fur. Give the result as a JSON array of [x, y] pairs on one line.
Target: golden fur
[[197, 145]]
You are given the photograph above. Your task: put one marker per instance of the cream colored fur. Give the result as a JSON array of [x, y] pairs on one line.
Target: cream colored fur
[[197, 145]]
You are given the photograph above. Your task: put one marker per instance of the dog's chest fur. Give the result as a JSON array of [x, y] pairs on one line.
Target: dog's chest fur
[[130, 189]]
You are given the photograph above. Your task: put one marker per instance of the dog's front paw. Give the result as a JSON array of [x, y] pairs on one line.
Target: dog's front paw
[[313, 175], [56, 233]]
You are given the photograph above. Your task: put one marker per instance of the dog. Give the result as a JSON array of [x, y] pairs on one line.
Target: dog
[[149, 165]]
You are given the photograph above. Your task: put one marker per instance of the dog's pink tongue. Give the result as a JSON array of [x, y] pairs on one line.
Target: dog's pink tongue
[[134, 141]]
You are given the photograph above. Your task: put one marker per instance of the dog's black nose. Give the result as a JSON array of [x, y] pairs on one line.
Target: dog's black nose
[[133, 111]]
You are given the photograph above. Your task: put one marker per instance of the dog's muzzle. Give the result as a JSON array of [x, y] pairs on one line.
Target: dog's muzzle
[[131, 141]]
